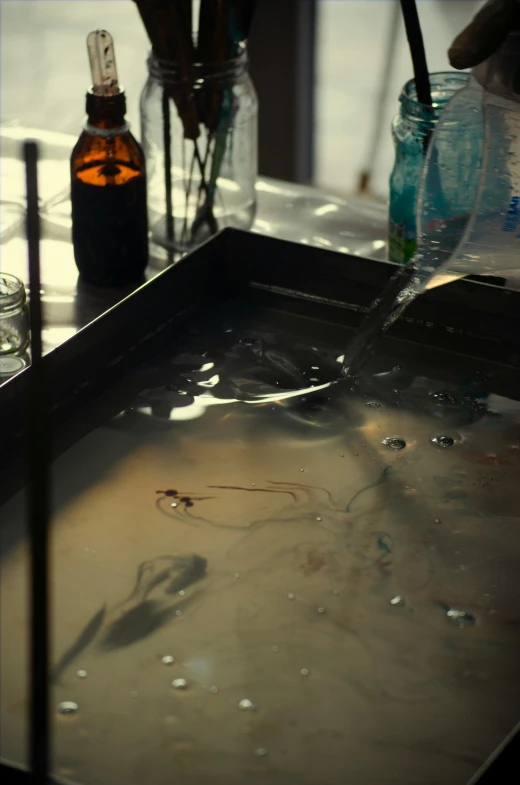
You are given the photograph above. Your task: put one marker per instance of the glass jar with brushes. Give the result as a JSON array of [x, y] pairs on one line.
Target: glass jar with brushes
[[199, 135]]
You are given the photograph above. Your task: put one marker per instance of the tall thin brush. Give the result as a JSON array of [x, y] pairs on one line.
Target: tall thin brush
[[417, 51]]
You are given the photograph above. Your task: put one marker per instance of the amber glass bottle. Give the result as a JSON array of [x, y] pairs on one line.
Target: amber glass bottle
[[108, 193]]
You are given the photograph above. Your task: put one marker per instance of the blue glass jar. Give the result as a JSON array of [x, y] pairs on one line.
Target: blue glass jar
[[411, 130]]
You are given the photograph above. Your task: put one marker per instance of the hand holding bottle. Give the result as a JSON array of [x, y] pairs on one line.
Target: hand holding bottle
[[485, 34]]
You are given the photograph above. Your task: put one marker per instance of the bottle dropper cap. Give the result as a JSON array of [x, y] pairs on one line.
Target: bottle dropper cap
[[105, 93], [102, 63]]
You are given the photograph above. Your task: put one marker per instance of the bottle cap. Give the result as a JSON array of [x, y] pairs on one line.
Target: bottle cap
[[106, 104]]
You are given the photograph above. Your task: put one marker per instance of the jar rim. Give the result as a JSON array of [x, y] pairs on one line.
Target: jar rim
[[170, 70], [12, 291], [449, 82]]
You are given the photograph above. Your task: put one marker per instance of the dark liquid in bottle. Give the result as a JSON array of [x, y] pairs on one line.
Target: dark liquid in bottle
[[110, 227]]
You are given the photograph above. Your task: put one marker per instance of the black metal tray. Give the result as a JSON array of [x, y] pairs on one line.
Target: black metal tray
[[305, 297], [470, 319]]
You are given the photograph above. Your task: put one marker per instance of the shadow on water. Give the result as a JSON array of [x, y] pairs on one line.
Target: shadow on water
[[138, 616]]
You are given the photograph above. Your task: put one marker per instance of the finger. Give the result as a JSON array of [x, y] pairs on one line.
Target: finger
[[486, 33]]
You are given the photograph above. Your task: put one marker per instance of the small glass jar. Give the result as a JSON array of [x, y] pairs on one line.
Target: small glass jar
[[14, 316], [411, 130], [199, 135]]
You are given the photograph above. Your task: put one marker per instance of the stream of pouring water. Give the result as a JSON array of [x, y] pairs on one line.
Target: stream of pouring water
[[384, 311], [407, 283]]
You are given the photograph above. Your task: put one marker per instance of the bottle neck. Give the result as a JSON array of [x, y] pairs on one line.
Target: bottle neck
[[106, 114]]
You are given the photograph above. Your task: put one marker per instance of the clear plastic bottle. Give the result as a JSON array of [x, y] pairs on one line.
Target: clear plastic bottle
[[484, 237]]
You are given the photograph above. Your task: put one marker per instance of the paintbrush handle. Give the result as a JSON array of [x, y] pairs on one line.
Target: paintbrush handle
[[171, 44], [417, 51]]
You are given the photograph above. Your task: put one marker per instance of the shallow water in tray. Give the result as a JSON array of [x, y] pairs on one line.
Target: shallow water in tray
[[261, 576]]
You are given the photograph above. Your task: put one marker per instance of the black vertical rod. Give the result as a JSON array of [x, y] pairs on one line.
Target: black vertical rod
[[38, 491]]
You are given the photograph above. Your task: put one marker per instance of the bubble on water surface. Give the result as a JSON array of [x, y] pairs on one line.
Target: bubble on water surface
[[81, 674], [179, 684], [261, 752], [460, 618], [394, 442], [442, 441], [67, 708], [247, 705], [167, 659], [397, 600]]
